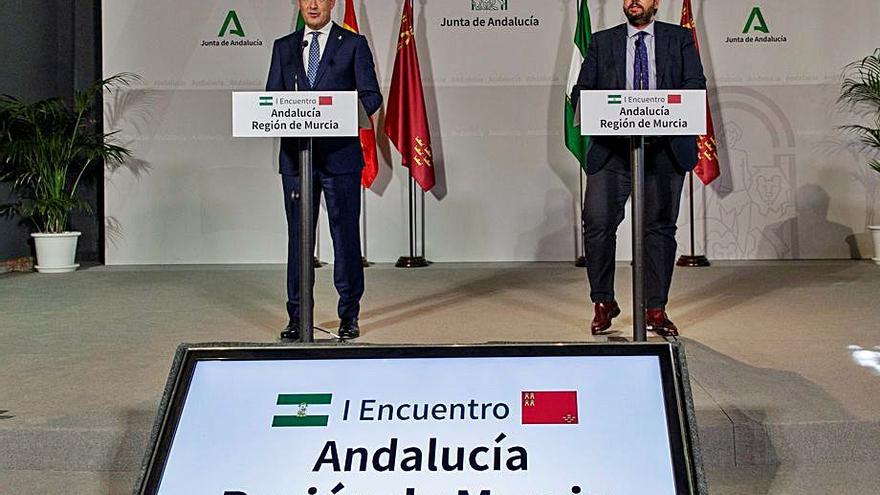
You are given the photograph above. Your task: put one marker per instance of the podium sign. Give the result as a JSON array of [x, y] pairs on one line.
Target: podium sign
[[294, 113], [643, 113], [458, 420]]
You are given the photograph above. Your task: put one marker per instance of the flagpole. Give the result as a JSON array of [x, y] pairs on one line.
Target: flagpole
[[581, 261], [692, 260], [423, 230], [364, 260], [411, 261], [706, 157]]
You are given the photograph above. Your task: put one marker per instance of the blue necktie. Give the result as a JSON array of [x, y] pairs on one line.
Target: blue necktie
[[314, 57], [640, 63]]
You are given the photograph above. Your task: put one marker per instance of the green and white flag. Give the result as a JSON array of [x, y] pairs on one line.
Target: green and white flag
[[576, 143], [303, 403], [300, 22]]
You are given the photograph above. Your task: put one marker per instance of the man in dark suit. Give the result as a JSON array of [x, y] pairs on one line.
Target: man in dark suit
[[326, 57], [640, 54]]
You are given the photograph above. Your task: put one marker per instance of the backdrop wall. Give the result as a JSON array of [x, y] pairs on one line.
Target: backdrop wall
[[791, 187]]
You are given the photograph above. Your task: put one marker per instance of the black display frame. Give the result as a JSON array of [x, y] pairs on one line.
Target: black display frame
[[680, 418]]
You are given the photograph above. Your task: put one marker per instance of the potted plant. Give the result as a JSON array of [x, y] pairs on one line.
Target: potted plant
[[860, 92], [45, 149]]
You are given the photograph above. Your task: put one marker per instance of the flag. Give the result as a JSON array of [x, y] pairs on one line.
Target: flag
[[302, 419], [300, 21], [707, 168], [576, 143], [406, 120], [549, 408], [368, 136]]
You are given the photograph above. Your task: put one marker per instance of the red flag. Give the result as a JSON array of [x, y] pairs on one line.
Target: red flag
[[707, 168], [406, 120], [549, 408], [368, 136]]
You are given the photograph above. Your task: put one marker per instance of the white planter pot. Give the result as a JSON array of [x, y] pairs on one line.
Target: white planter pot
[[56, 253], [875, 235]]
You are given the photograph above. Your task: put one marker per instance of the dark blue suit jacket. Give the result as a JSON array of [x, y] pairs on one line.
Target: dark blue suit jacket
[[346, 65], [678, 67]]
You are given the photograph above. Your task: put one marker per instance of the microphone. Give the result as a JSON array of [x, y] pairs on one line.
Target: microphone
[[305, 44]]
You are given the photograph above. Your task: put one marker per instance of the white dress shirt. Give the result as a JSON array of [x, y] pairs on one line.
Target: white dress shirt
[[631, 55], [322, 42]]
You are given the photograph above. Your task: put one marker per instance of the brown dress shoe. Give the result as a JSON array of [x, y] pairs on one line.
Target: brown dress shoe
[[603, 313], [658, 322]]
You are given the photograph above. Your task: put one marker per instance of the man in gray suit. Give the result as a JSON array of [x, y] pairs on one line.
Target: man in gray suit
[[640, 54]]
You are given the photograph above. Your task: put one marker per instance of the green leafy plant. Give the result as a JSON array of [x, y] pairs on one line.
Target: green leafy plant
[[861, 92], [47, 146]]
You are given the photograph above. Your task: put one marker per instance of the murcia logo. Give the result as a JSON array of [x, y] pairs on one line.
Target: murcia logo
[[231, 18], [756, 22], [488, 4]]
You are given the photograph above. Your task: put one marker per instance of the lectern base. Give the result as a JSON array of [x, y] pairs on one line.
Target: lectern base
[[411, 262], [693, 261], [581, 262]]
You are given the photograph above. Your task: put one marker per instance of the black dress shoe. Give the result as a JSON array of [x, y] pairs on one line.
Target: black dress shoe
[[349, 329], [291, 332]]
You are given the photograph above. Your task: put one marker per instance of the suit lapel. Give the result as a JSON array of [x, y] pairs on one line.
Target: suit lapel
[[619, 55], [298, 66], [661, 49], [333, 43]]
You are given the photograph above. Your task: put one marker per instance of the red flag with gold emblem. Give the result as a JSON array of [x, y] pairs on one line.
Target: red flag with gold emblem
[[368, 136], [406, 120], [707, 168], [549, 408]]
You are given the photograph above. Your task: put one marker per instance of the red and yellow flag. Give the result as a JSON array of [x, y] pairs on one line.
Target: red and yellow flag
[[368, 136], [549, 408], [707, 168], [406, 120]]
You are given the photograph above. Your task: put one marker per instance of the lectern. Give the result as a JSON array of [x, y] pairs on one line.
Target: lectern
[[637, 114], [306, 115]]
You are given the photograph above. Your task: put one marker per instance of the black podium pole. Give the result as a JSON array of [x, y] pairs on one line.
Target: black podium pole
[[306, 245], [637, 162]]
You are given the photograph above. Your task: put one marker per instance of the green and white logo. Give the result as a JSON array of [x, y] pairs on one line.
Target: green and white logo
[[756, 30], [614, 99], [265, 101], [231, 18], [756, 22], [302, 418], [489, 4], [231, 34]]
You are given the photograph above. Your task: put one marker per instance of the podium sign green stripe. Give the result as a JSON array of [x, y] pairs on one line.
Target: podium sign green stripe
[[294, 421], [297, 399]]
